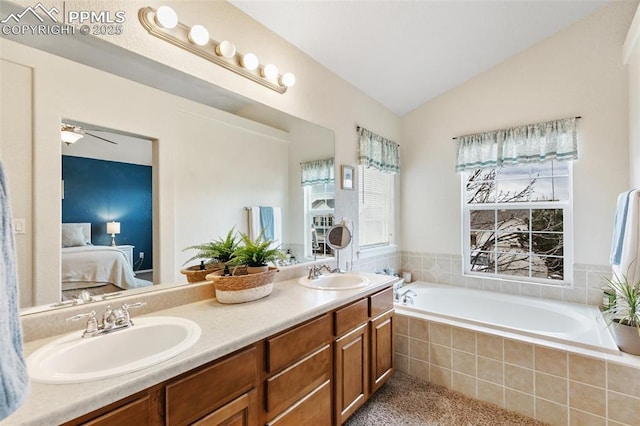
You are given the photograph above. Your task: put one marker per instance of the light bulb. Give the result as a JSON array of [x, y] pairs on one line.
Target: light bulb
[[199, 35], [270, 71], [288, 79], [250, 61], [226, 49], [166, 17]]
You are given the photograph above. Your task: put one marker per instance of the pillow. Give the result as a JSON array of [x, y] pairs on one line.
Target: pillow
[[72, 236]]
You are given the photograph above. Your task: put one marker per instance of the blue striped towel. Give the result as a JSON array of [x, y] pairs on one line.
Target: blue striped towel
[[14, 381], [619, 226]]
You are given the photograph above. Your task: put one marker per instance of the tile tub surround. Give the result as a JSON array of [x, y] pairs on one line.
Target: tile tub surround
[[550, 383], [586, 286], [225, 329]]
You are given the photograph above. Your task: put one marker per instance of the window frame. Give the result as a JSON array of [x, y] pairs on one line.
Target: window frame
[[391, 198], [567, 222]]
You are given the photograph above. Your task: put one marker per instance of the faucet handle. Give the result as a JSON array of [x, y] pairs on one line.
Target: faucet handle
[[92, 323], [128, 306], [124, 311], [91, 315]]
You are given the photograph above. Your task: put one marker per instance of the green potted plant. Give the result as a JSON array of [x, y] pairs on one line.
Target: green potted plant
[[624, 313], [251, 278], [213, 255], [256, 254]]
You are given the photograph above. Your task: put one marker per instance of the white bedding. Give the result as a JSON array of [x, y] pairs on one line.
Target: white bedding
[[92, 266]]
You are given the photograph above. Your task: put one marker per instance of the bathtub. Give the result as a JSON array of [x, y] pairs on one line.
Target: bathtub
[[569, 324]]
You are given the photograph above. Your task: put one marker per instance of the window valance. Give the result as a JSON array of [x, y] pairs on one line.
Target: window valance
[[531, 143], [378, 152], [317, 172]]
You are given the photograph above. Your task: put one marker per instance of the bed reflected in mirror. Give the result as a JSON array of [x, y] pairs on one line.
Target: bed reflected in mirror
[[107, 212]]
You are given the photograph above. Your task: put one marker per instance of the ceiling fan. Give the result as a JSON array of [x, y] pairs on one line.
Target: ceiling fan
[[70, 133]]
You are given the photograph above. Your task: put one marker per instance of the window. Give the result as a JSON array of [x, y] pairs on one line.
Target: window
[[375, 196], [517, 222], [319, 209]]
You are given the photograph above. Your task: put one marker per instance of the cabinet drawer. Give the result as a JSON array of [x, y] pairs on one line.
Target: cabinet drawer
[[351, 316], [240, 411], [313, 410], [133, 413], [289, 347], [296, 381], [199, 393], [381, 302]]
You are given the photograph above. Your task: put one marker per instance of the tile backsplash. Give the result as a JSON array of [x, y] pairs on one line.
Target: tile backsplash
[[586, 286]]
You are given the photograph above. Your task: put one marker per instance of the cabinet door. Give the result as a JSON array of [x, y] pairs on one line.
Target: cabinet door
[[242, 411], [382, 351], [351, 372]]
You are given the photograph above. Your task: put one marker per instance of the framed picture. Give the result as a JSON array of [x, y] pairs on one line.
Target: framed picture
[[347, 177]]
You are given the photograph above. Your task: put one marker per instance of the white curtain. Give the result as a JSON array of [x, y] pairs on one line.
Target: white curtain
[[378, 152], [317, 172], [531, 143]]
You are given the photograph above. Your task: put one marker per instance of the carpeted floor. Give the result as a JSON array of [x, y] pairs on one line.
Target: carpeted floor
[[407, 401]]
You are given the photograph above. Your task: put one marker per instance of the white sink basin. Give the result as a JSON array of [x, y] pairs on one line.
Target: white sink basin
[[335, 282], [73, 359]]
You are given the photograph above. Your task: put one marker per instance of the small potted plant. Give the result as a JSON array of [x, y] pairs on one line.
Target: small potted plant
[[624, 313], [251, 278], [214, 256], [256, 254]]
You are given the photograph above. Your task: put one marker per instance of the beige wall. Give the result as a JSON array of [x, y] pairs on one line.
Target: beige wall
[[16, 152], [576, 72], [631, 55]]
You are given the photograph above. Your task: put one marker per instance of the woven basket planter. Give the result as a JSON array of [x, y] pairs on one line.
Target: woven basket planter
[[242, 287], [195, 274]]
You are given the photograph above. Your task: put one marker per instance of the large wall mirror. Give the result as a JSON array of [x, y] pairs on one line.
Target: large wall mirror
[[207, 164]]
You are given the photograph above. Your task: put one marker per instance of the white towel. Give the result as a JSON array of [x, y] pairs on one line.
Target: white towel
[[14, 381], [629, 263], [619, 225], [254, 222]]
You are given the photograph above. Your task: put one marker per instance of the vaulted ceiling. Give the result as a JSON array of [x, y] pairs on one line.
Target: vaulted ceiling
[[404, 53]]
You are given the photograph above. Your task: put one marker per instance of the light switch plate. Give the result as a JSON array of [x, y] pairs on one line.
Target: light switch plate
[[18, 226]]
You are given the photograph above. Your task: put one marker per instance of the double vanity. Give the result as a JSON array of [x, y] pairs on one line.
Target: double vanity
[[310, 353]]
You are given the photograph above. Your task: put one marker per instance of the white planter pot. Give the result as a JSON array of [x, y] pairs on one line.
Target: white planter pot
[[627, 338]]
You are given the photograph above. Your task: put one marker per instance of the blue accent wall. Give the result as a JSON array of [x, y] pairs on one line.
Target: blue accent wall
[[99, 191]]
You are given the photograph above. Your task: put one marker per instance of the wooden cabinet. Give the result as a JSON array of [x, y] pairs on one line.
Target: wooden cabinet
[[134, 413], [313, 410], [351, 372], [316, 373], [382, 345], [364, 352], [299, 365], [382, 354], [196, 395], [242, 411]]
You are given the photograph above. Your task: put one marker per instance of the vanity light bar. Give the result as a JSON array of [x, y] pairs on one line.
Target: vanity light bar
[[163, 23]]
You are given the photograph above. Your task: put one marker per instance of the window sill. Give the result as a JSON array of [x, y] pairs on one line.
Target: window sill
[[377, 251], [518, 280]]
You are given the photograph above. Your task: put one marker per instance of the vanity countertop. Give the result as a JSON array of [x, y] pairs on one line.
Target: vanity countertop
[[225, 329]]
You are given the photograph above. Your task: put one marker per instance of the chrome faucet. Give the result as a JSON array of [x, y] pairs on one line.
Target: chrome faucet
[[112, 320], [405, 297], [315, 272]]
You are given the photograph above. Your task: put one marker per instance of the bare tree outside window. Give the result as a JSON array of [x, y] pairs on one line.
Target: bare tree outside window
[[506, 237]]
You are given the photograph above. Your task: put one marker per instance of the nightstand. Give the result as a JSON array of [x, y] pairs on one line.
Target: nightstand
[[128, 252]]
